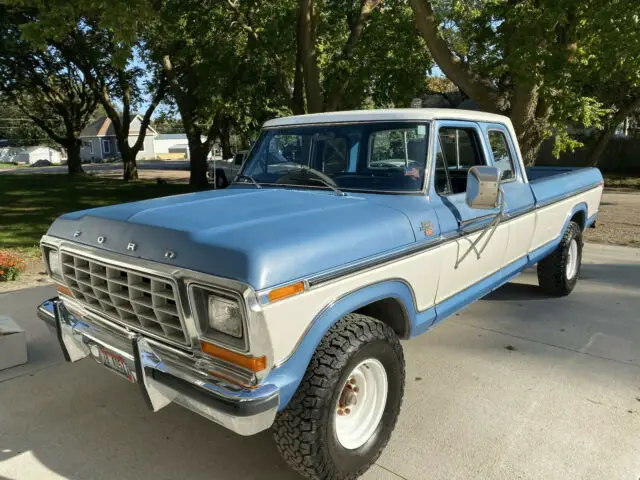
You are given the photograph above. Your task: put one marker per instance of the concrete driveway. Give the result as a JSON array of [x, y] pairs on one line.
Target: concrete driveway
[[517, 386]]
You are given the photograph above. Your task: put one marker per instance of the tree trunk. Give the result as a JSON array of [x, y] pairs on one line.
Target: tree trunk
[[130, 166], [598, 147], [225, 139], [529, 115], [74, 163], [306, 44], [198, 163]]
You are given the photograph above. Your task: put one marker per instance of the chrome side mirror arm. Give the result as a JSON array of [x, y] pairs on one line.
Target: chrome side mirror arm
[[488, 232]]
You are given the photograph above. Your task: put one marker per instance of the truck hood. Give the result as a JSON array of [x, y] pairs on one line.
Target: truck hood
[[263, 237]]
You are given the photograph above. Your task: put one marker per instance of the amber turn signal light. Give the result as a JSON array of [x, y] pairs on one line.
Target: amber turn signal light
[[286, 291], [255, 364], [64, 290]]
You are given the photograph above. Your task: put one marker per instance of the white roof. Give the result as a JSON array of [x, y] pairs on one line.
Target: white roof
[[393, 114]]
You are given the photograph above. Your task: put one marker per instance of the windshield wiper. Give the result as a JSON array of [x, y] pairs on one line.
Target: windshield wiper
[[248, 177], [326, 180]]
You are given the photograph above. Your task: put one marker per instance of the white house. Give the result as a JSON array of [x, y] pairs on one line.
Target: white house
[[99, 140], [165, 143], [30, 155]]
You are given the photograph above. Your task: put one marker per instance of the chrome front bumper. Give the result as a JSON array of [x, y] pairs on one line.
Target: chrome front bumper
[[164, 374]]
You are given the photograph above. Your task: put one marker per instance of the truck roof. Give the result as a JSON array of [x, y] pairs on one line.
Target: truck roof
[[391, 114]]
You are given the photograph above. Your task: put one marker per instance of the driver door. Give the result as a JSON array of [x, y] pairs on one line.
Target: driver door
[[458, 147]]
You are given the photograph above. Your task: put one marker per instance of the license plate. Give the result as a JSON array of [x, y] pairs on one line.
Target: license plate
[[116, 363]]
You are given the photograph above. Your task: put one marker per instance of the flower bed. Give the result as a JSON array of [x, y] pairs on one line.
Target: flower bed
[[11, 266]]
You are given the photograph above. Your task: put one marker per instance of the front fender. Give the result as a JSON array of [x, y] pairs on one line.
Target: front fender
[[288, 375]]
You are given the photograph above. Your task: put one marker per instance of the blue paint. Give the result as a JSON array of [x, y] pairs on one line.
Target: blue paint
[[552, 183], [591, 220], [263, 237]]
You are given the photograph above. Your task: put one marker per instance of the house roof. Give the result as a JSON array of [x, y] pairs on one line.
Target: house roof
[[103, 127], [171, 136]]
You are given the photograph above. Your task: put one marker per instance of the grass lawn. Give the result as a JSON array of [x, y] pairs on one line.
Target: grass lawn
[[11, 166], [30, 203], [621, 181]]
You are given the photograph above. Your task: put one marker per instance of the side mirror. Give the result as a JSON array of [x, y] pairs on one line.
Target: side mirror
[[483, 187]]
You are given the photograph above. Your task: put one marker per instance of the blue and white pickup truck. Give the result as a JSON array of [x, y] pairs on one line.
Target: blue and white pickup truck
[[280, 301]]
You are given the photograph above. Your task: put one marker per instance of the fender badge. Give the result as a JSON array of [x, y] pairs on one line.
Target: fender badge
[[77, 233], [169, 255], [131, 247], [101, 239], [427, 228]]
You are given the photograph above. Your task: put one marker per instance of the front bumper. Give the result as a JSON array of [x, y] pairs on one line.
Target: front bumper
[[165, 374]]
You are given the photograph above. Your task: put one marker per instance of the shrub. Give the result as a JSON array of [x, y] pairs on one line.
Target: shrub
[[11, 266]]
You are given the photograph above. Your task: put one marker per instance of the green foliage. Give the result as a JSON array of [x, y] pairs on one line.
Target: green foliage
[[582, 55]]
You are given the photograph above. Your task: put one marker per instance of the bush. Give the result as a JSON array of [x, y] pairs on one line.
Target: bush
[[11, 266]]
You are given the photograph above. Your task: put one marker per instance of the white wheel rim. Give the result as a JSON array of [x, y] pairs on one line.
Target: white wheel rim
[[361, 404], [572, 260]]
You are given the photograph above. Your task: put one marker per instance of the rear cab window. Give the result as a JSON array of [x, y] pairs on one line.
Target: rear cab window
[[502, 158]]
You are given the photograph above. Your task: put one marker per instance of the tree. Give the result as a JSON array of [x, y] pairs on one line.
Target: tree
[[101, 40], [116, 84], [353, 52], [522, 58], [44, 86]]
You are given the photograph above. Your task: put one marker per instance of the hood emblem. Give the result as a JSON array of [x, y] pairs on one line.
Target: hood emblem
[[169, 255], [132, 247], [77, 233], [101, 239]]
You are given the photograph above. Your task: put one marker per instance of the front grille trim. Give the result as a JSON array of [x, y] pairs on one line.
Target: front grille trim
[[145, 302]]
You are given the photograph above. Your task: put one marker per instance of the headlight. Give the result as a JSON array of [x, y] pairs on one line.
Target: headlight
[[220, 314], [53, 260], [225, 316]]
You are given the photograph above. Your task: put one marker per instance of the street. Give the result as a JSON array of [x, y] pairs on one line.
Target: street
[[101, 167], [519, 385]]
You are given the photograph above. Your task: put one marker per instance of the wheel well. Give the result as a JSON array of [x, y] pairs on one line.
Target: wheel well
[[580, 218], [390, 311]]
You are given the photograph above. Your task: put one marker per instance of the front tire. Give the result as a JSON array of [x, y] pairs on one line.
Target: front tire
[[346, 407], [558, 273]]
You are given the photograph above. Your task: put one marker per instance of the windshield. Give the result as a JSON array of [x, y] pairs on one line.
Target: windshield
[[385, 157]]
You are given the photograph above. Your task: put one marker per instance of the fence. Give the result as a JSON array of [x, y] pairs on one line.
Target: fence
[[622, 156]]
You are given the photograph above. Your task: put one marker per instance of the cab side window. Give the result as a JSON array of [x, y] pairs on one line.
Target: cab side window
[[457, 150], [501, 154]]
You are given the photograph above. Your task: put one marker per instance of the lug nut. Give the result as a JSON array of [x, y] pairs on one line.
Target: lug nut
[[347, 411], [356, 389], [352, 381], [340, 412]]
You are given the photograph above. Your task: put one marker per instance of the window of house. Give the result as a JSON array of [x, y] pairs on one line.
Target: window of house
[[457, 150], [106, 147], [88, 145], [501, 154]]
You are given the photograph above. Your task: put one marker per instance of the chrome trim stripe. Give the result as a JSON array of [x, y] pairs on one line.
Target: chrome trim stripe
[[564, 196]]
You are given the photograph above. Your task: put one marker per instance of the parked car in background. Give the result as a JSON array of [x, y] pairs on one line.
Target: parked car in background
[[280, 302], [222, 172]]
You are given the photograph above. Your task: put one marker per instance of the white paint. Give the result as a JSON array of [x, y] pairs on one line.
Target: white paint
[[356, 423], [430, 274], [390, 114], [551, 219]]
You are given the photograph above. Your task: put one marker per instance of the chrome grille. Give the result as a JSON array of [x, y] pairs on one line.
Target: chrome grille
[[136, 299]]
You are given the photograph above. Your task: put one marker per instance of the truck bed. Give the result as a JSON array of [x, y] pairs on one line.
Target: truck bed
[[554, 183]]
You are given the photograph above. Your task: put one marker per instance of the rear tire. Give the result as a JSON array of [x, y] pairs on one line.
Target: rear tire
[[322, 433], [558, 273]]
